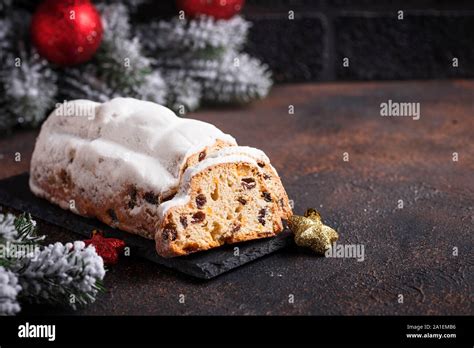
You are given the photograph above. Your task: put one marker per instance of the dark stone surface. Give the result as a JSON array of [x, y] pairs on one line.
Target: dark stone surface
[[15, 193], [419, 46], [408, 251], [293, 49]]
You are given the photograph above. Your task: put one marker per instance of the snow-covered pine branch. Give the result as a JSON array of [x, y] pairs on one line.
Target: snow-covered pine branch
[[9, 289], [239, 79], [65, 274], [59, 273], [181, 36]]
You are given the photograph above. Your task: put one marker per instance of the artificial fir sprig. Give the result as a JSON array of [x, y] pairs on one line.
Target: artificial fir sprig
[[182, 36], [9, 289], [207, 52], [239, 78], [63, 274], [27, 81], [26, 230], [18, 238], [29, 88], [8, 232]]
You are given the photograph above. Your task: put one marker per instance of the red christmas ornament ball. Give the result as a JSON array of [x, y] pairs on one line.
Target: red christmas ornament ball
[[66, 32], [219, 9]]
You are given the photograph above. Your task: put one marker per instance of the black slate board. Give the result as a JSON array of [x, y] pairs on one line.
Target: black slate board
[[15, 193]]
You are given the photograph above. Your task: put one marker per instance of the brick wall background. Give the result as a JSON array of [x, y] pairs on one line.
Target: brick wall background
[[378, 45], [368, 32]]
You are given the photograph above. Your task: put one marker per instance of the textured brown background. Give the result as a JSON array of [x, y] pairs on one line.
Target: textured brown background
[[408, 251]]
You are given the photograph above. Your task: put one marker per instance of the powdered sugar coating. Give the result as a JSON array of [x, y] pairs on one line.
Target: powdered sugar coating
[[253, 152], [121, 141]]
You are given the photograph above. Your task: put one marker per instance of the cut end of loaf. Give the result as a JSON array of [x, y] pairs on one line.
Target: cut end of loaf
[[227, 203]]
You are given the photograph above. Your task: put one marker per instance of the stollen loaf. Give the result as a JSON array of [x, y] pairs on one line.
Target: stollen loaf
[[138, 167]]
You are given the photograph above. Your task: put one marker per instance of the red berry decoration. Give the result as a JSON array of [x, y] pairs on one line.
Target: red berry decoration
[[219, 9], [107, 248], [66, 32]]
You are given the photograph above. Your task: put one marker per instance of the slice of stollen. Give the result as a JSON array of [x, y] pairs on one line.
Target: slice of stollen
[[222, 200]]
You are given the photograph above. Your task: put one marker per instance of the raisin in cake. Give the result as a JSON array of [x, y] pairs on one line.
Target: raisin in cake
[[136, 166]]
